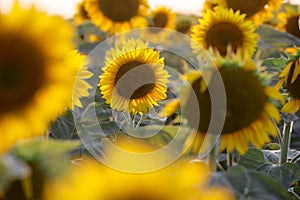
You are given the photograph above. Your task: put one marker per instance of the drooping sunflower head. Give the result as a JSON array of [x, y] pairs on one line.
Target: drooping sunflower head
[[256, 10], [249, 112], [289, 79], [133, 78], [36, 72], [117, 15], [81, 14], [225, 28], [288, 20]]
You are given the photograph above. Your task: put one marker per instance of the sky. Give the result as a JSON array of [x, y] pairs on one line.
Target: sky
[[66, 8]]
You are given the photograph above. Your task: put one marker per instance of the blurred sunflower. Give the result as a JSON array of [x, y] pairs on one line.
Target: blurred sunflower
[[183, 180], [256, 10], [117, 16], [81, 87], [183, 25], [288, 20], [249, 111], [81, 14], [290, 80], [133, 78], [160, 18], [208, 5], [225, 28], [36, 78]]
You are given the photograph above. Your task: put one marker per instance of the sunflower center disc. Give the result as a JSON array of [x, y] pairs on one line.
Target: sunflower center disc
[[249, 7], [293, 88], [134, 80], [21, 72], [223, 34], [292, 26], [160, 20], [245, 100], [183, 26], [119, 10]]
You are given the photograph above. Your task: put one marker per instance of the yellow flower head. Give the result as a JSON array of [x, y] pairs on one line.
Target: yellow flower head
[[133, 78], [160, 18], [81, 87], [117, 16], [289, 78], [183, 25], [249, 111], [288, 20], [256, 10], [225, 28], [182, 180], [37, 73], [81, 14]]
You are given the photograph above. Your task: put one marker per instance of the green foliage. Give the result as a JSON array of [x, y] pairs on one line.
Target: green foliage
[[251, 185]]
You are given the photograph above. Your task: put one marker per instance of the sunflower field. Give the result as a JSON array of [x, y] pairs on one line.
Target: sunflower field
[[130, 102]]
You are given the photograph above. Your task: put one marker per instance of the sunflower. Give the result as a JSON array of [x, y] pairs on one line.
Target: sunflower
[[224, 28], [81, 87], [209, 5], [183, 24], [159, 19], [133, 78], [35, 80], [256, 10], [249, 111], [183, 180], [290, 80], [81, 14], [288, 20], [117, 15]]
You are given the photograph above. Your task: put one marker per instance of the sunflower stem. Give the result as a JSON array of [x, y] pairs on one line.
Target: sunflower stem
[[279, 136], [229, 159], [285, 145], [212, 158]]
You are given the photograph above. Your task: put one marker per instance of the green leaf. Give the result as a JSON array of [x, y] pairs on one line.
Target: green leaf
[[253, 159], [285, 174], [271, 40], [272, 156], [64, 127], [12, 168], [251, 185], [274, 64], [46, 153]]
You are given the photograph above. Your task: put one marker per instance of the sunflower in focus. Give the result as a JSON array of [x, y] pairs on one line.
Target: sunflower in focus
[[133, 78], [288, 20], [256, 10], [249, 111], [116, 16], [35, 80], [225, 28], [290, 80], [81, 14]]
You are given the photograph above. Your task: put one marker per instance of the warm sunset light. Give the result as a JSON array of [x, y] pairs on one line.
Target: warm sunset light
[[67, 8], [149, 99]]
